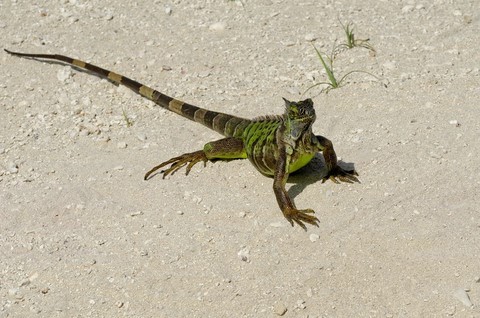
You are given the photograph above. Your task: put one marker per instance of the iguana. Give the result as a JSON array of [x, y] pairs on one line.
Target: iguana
[[275, 145]]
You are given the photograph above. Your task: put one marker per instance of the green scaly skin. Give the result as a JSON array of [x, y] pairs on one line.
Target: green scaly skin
[[275, 145]]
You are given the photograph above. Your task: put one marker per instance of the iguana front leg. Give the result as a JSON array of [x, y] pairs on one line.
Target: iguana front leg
[[291, 213], [223, 149], [335, 173]]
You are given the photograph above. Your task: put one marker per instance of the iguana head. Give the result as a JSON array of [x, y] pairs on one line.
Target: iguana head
[[299, 116]]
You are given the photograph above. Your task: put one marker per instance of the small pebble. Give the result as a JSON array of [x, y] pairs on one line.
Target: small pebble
[[309, 293], [301, 304], [390, 65], [407, 8], [118, 168], [457, 13], [168, 10], [64, 73], [218, 26], [196, 199], [310, 37], [12, 167], [280, 309], [454, 122], [451, 311], [12, 291], [462, 295], [25, 282], [33, 277], [289, 43], [141, 137], [108, 16], [244, 254], [104, 139], [207, 209], [314, 237], [15, 293], [121, 145]]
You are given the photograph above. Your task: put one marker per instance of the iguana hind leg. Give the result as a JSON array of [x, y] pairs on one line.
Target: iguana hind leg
[[178, 162], [223, 149]]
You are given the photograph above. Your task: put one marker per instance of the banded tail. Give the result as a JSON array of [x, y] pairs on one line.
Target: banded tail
[[224, 124]]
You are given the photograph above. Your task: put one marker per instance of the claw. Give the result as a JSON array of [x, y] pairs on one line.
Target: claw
[[338, 175], [300, 217]]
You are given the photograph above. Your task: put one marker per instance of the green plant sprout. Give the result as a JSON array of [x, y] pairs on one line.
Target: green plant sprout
[[332, 80], [128, 121], [351, 41]]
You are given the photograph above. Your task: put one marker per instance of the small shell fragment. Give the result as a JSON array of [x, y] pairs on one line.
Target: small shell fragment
[[462, 295]]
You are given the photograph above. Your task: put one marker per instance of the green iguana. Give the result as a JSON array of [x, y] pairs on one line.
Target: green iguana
[[275, 145]]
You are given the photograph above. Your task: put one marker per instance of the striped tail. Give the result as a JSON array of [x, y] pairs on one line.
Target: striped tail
[[224, 124]]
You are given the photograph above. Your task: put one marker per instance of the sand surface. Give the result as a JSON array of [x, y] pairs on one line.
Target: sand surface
[[83, 235]]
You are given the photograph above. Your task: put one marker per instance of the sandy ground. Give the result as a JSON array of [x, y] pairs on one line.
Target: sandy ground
[[83, 235]]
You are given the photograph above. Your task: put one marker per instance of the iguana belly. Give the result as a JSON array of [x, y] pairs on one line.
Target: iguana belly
[[300, 162]]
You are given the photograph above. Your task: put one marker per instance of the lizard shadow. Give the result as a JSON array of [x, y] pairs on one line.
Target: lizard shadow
[[313, 172]]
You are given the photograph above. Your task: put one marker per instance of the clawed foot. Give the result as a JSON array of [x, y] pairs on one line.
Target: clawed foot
[[301, 216], [178, 162], [338, 175]]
